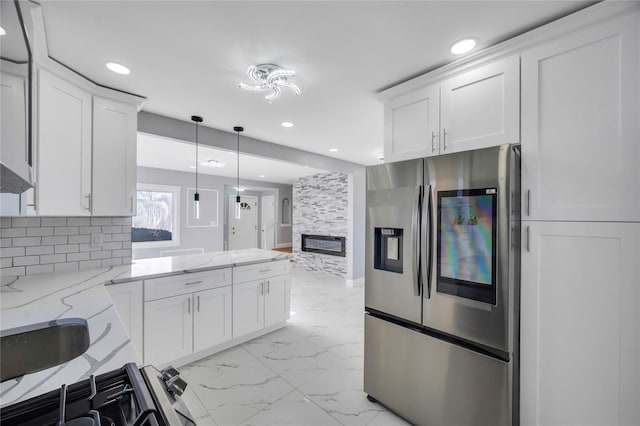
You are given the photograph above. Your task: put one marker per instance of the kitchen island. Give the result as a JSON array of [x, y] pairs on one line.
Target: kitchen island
[[84, 294]]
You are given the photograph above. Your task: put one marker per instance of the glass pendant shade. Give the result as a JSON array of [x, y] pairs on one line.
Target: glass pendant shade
[[196, 206], [238, 209]]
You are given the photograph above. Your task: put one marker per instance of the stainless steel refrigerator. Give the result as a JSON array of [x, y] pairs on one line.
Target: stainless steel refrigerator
[[442, 287]]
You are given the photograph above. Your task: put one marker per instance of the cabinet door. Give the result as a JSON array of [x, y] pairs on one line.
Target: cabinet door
[[276, 302], [580, 327], [248, 307], [580, 151], [168, 329], [13, 123], [63, 175], [127, 298], [481, 107], [411, 123], [114, 158], [212, 317]]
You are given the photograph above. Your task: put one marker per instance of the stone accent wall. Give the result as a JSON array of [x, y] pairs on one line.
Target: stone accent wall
[[36, 245], [320, 207]]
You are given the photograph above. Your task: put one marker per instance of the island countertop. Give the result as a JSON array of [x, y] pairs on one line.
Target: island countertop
[[82, 294]]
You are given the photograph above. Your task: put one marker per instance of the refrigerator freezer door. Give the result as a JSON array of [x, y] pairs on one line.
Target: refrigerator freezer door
[[459, 315], [431, 382], [392, 280]]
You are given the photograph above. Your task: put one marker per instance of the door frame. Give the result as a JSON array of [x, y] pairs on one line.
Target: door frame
[[263, 235]]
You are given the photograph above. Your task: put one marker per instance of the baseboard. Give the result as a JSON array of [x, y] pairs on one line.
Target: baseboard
[[284, 245], [358, 282]]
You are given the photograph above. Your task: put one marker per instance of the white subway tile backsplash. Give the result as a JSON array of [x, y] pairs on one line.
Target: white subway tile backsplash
[[40, 232], [26, 260], [23, 222], [101, 221], [39, 269], [53, 258], [37, 250], [67, 248], [79, 239], [47, 244], [13, 232], [54, 221], [66, 230], [26, 241]]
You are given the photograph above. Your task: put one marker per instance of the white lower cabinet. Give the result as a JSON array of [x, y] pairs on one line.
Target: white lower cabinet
[[211, 318], [168, 329], [276, 302], [127, 298], [580, 323], [248, 307]]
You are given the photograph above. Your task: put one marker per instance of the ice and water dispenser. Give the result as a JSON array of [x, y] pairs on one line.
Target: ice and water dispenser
[[388, 249]]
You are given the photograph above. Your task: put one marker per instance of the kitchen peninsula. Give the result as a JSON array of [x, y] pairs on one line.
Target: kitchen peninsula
[[118, 320]]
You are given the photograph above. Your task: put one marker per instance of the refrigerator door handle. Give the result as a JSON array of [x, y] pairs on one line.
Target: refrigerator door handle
[[428, 241], [415, 236]]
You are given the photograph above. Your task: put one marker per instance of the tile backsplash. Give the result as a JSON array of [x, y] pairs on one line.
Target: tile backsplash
[[36, 245]]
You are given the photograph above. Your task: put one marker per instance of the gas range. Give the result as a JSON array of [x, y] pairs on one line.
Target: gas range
[[126, 396]]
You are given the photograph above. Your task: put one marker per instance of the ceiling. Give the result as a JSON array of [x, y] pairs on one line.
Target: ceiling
[[186, 57], [165, 153]]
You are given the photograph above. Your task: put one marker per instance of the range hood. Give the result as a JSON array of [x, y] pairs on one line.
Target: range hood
[[11, 182]]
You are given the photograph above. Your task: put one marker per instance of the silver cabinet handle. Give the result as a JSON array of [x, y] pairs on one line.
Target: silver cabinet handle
[[198, 303], [433, 138], [262, 288], [265, 270], [88, 197], [194, 283], [527, 238], [132, 211], [267, 286], [189, 305], [528, 202], [444, 139]]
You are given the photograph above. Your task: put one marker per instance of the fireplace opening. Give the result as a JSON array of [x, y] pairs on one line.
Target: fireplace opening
[[324, 244]]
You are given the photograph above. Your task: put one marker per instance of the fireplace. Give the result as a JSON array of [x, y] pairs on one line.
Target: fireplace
[[324, 244]]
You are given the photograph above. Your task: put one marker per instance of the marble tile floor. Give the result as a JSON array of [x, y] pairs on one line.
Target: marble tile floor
[[307, 373]]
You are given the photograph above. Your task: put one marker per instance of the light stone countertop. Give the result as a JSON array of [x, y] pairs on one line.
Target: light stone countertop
[[82, 294]]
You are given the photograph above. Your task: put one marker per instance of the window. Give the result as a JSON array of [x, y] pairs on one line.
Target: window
[[157, 221]]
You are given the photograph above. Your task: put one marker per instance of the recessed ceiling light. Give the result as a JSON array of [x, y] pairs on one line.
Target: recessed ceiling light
[[118, 68], [2, 31], [286, 124], [240, 189], [213, 164], [192, 167], [463, 46], [333, 150], [260, 176], [380, 157]]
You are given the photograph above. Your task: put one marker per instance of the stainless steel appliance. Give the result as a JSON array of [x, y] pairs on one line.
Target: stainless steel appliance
[[126, 396], [442, 287]]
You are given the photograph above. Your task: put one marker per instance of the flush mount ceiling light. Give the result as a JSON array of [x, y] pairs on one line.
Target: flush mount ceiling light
[[286, 124], [214, 164], [270, 78], [463, 46], [118, 68]]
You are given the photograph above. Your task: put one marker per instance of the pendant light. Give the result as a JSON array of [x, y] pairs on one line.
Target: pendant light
[[196, 196], [238, 129]]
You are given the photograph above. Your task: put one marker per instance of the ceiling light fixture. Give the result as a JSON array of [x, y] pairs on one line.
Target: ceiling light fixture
[[333, 150], [463, 46], [214, 164], [286, 124], [381, 157], [196, 196], [238, 129], [2, 31], [270, 78], [261, 176], [118, 68]]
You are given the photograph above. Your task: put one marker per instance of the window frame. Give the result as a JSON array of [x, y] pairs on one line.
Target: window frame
[[175, 233]]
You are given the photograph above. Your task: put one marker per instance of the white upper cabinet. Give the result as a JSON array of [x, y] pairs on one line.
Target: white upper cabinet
[[114, 158], [63, 177], [411, 124], [481, 108], [13, 123], [580, 149]]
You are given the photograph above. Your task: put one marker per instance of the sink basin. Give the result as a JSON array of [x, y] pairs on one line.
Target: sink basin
[[36, 347]]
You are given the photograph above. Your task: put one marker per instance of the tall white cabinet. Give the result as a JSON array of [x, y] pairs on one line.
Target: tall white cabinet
[[580, 286]]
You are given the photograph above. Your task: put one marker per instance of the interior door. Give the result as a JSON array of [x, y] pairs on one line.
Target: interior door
[[243, 232], [268, 225]]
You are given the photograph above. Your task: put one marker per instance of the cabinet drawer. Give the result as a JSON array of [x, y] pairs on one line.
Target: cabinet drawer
[[260, 270], [158, 288]]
